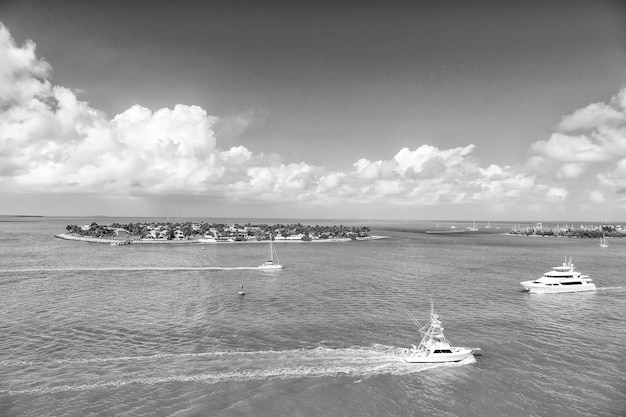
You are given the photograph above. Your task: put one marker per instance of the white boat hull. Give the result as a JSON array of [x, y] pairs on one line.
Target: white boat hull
[[535, 288], [272, 266], [457, 355]]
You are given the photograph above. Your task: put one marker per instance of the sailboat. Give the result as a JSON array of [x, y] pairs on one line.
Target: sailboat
[[272, 258], [603, 242], [472, 228]]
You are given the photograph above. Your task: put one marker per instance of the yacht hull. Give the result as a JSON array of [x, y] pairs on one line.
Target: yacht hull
[[457, 356], [534, 288]]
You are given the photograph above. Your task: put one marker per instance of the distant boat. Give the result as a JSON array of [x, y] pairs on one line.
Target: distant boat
[[472, 228], [603, 242], [488, 225], [272, 258], [241, 292]]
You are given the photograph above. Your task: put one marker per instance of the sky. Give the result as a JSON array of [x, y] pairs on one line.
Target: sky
[[484, 110]]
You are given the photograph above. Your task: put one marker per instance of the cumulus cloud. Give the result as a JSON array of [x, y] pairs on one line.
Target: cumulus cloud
[[597, 197], [54, 142], [571, 171], [556, 194], [428, 161], [22, 75], [596, 115], [591, 135], [615, 179], [567, 148], [50, 141]]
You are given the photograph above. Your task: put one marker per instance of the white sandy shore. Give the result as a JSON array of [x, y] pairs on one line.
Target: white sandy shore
[[196, 241]]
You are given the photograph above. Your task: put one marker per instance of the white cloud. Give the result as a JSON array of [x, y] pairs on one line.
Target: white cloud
[[491, 171], [556, 194], [22, 75], [50, 141], [589, 147], [591, 117], [567, 148], [571, 171], [616, 179], [429, 160], [593, 134], [366, 170], [597, 197]]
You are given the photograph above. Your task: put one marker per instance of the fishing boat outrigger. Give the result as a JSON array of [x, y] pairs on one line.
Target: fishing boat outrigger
[[434, 347]]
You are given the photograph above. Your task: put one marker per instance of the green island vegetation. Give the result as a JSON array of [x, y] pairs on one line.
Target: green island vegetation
[[217, 231], [584, 231]]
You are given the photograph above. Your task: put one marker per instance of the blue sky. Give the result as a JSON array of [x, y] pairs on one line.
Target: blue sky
[[406, 110]]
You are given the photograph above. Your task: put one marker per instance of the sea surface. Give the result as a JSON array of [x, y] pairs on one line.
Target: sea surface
[[150, 330]]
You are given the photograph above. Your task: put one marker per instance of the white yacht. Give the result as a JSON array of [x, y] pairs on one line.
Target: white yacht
[[561, 279], [434, 347], [272, 258]]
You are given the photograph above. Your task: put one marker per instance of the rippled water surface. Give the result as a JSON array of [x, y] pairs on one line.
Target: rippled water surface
[[153, 330]]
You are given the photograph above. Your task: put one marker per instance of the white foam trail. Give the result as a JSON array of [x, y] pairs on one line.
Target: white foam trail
[[80, 361], [355, 362], [142, 268], [237, 376], [320, 351]]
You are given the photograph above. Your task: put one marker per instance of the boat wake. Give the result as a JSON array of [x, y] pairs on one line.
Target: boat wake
[[219, 367], [609, 288], [143, 268]]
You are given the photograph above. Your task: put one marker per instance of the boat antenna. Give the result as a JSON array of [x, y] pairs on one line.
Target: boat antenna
[[411, 316]]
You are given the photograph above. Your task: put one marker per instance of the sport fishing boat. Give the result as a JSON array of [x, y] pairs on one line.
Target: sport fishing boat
[[272, 258], [561, 279], [434, 347]]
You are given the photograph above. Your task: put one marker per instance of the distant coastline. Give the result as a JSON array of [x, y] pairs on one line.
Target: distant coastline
[[581, 232], [88, 239], [117, 234]]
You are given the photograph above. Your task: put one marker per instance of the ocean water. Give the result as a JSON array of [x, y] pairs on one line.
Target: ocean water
[[148, 330]]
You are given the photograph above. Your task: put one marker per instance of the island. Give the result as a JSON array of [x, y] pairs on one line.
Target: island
[[202, 232], [581, 232]]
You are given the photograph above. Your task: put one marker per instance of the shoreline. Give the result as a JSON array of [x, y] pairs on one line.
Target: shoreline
[[561, 236], [109, 241]]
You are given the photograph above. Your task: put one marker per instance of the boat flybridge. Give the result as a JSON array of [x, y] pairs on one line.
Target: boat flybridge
[[434, 347], [561, 279]]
